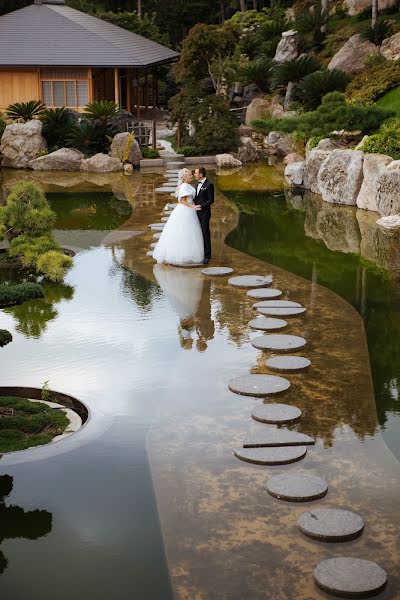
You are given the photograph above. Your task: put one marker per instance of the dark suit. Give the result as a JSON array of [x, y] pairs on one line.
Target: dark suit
[[204, 198]]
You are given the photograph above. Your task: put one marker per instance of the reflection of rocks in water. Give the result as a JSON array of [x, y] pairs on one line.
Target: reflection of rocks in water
[[313, 204], [377, 245], [338, 228], [296, 199], [16, 523]]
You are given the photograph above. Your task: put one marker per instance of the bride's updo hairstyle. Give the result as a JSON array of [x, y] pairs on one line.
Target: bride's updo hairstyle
[[182, 175]]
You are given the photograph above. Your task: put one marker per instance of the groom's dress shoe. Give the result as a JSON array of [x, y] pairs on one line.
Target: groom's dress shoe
[[206, 261]]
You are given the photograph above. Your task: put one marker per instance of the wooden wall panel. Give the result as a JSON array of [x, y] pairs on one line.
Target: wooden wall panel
[[18, 86]]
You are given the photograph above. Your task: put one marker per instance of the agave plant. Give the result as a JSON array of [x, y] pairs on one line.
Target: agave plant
[[101, 111], [25, 111], [294, 70], [58, 124], [257, 72], [310, 91]]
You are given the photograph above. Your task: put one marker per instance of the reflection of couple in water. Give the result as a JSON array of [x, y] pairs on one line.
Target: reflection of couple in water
[[189, 294]]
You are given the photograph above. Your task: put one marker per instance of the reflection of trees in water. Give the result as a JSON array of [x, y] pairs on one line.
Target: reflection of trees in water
[[16, 523], [32, 317], [303, 235], [89, 210], [142, 291]]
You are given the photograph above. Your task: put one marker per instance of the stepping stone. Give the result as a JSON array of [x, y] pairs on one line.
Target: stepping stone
[[276, 304], [164, 219], [331, 525], [297, 487], [266, 324], [271, 456], [276, 413], [153, 244], [264, 293], [282, 312], [217, 271], [250, 281], [258, 386], [149, 253], [157, 226], [157, 236], [288, 364], [350, 577], [173, 171], [165, 189], [176, 165], [269, 436], [279, 342], [172, 205]]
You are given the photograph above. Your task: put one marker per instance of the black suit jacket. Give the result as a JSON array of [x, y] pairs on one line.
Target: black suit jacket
[[205, 198]]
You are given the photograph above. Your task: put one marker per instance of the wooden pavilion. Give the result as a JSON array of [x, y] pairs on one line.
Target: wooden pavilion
[[64, 57]]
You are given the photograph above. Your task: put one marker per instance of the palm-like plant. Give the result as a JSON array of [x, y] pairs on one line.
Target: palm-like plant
[[101, 111], [57, 125], [25, 111], [87, 137], [378, 32], [313, 21], [294, 70], [257, 72], [310, 91]]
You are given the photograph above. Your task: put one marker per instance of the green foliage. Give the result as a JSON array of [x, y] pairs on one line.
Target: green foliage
[[145, 26], [26, 211], [378, 33], [25, 111], [310, 21], [368, 86], [333, 114], [5, 337], [190, 151], [58, 123], [89, 138], [269, 35], [45, 392], [258, 72], [54, 265], [310, 91], [10, 295], [28, 248], [386, 141], [3, 125], [294, 70], [150, 153], [102, 111], [391, 101]]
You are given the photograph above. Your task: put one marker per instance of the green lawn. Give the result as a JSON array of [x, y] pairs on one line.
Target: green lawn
[[391, 101]]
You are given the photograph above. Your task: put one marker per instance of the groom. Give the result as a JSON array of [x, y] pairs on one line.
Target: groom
[[203, 199]]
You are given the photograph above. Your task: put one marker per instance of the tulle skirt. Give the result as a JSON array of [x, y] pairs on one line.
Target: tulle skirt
[[181, 242]]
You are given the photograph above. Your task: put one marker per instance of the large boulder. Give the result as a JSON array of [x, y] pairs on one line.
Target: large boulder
[[355, 7], [227, 161], [259, 108], [65, 159], [352, 55], [340, 176], [21, 143], [294, 173], [390, 47], [314, 160], [388, 191], [372, 168], [391, 223], [328, 145], [279, 143], [126, 148], [288, 47], [102, 163], [293, 157], [247, 151]]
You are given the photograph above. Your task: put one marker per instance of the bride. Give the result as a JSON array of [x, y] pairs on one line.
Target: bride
[[181, 242]]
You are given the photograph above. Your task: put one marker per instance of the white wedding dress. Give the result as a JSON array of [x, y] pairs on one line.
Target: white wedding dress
[[181, 242]]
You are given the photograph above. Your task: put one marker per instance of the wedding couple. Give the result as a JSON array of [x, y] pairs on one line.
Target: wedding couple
[[186, 239]]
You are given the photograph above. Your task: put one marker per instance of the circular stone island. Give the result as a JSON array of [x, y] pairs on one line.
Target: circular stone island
[[279, 311], [264, 293], [157, 236], [217, 271], [271, 456], [157, 226], [149, 253], [350, 577], [279, 342], [164, 219], [288, 364], [265, 324], [258, 386], [153, 244], [250, 281], [276, 304], [331, 525], [276, 413], [297, 488]]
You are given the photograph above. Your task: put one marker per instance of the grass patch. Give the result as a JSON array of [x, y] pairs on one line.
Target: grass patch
[[391, 101], [24, 424]]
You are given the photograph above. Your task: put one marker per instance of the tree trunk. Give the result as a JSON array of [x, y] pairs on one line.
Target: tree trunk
[[139, 9], [325, 15], [222, 9], [243, 6], [375, 11], [255, 4]]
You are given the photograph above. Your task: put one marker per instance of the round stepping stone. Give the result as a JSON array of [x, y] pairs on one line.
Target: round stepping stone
[[350, 577], [157, 226], [288, 364], [269, 436], [173, 171], [271, 456], [217, 271], [264, 293], [296, 487], [282, 312], [279, 342], [157, 236], [165, 189], [276, 304], [258, 386], [153, 244], [149, 253], [172, 205], [164, 219], [176, 165], [250, 281], [265, 324], [330, 524], [276, 413]]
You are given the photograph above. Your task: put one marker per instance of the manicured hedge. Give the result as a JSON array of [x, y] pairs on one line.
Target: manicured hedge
[[16, 294]]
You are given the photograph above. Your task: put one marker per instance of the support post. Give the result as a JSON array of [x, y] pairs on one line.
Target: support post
[[138, 96], [153, 83], [146, 91], [157, 103], [154, 134], [128, 90], [90, 84], [116, 86]]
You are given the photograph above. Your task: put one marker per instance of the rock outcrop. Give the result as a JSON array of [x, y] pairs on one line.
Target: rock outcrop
[[329, 145], [102, 163], [294, 173], [259, 108], [340, 176], [247, 151], [390, 47], [391, 223], [126, 148], [227, 161], [65, 159], [278, 143], [388, 191], [355, 7], [288, 47], [352, 55], [21, 143], [293, 157], [373, 165], [314, 160]]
